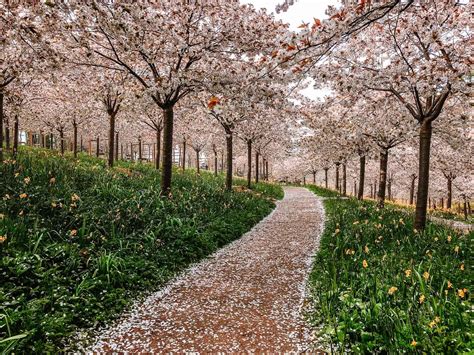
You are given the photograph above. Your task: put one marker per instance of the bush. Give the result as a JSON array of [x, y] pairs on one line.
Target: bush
[[379, 286], [80, 242]]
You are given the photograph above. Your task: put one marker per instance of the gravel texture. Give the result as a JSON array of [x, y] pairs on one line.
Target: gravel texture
[[247, 297]]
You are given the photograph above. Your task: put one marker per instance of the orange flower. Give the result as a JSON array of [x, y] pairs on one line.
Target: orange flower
[[408, 273], [392, 290], [413, 343], [2, 239], [365, 264], [23, 195]]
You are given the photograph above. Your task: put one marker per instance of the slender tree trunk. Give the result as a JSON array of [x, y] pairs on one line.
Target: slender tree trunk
[[257, 167], [158, 149], [61, 138], [116, 146], [449, 201], [215, 162], [74, 139], [7, 136], [121, 151], [412, 189], [267, 174], [344, 179], [97, 147], [184, 155], [249, 162], [140, 151], [229, 148], [465, 207], [111, 140], [1, 126], [337, 176], [222, 161], [42, 140], [326, 177], [15, 136], [198, 168], [389, 189], [82, 146], [314, 177], [167, 170], [382, 178], [362, 161], [426, 131]]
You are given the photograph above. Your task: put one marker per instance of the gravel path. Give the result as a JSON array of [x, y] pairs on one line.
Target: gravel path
[[246, 297]]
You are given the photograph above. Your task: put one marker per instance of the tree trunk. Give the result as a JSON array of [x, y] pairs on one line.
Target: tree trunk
[[249, 162], [362, 161], [465, 208], [257, 166], [82, 146], [382, 178], [314, 177], [326, 177], [42, 140], [215, 162], [158, 149], [1, 126], [426, 131], [229, 148], [198, 168], [111, 140], [140, 150], [184, 155], [61, 138], [7, 136], [97, 147], [15, 136], [344, 179], [267, 174], [116, 146], [167, 170], [412, 189], [449, 201], [74, 139], [222, 161], [337, 176]]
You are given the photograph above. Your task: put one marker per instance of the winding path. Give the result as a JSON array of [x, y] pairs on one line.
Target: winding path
[[246, 297]]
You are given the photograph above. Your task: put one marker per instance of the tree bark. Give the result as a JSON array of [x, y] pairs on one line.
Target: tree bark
[[382, 178], [97, 147], [257, 166], [426, 131], [7, 136], [449, 201], [314, 177], [344, 179], [412, 189], [61, 138], [15, 136], [111, 140], [229, 148], [167, 170], [74, 139], [326, 177], [360, 193], [267, 174], [184, 155], [215, 161], [140, 151], [337, 176], [1, 126], [158, 149], [198, 168], [249, 162]]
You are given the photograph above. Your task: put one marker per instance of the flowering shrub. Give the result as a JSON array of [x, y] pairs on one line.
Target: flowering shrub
[[399, 291], [79, 242]]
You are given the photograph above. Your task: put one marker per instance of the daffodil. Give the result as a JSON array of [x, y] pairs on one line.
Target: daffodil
[[413, 343], [407, 272], [2, 239], [23, 195], [421, 299], [392, 290], [27, 180], [365, 264], [426, 275], [75, 197]]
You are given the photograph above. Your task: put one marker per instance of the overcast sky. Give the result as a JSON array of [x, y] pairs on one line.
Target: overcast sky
[[301, 11]]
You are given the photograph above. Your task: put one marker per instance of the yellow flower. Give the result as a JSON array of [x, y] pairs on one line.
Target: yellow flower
[[407, 272], [392, 290], [73, 232], [365, 264], [350, 252], [52, 180], [53, 204], [366, 249], [16, 174], [436, 239], [2, 239], [462, 293], [401, 221], [426, 275], [356, 222], [450, 285], [75, 197], [27, 180], [6, 197], [23, 195], [449, 239], [413, 343], [456, 249], [2, 216], [337, 231], [462, 267], [421, 299]]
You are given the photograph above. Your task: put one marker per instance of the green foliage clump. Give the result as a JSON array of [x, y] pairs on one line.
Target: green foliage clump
[[378, 286], [79, 242]]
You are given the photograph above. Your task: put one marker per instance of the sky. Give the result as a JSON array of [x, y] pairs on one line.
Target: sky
[[301, 11]]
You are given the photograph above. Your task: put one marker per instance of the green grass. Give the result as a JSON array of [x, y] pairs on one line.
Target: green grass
[[380, 287], [83, 242]]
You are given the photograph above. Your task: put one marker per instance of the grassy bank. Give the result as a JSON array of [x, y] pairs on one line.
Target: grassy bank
[[79, 242], [379, 286]]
